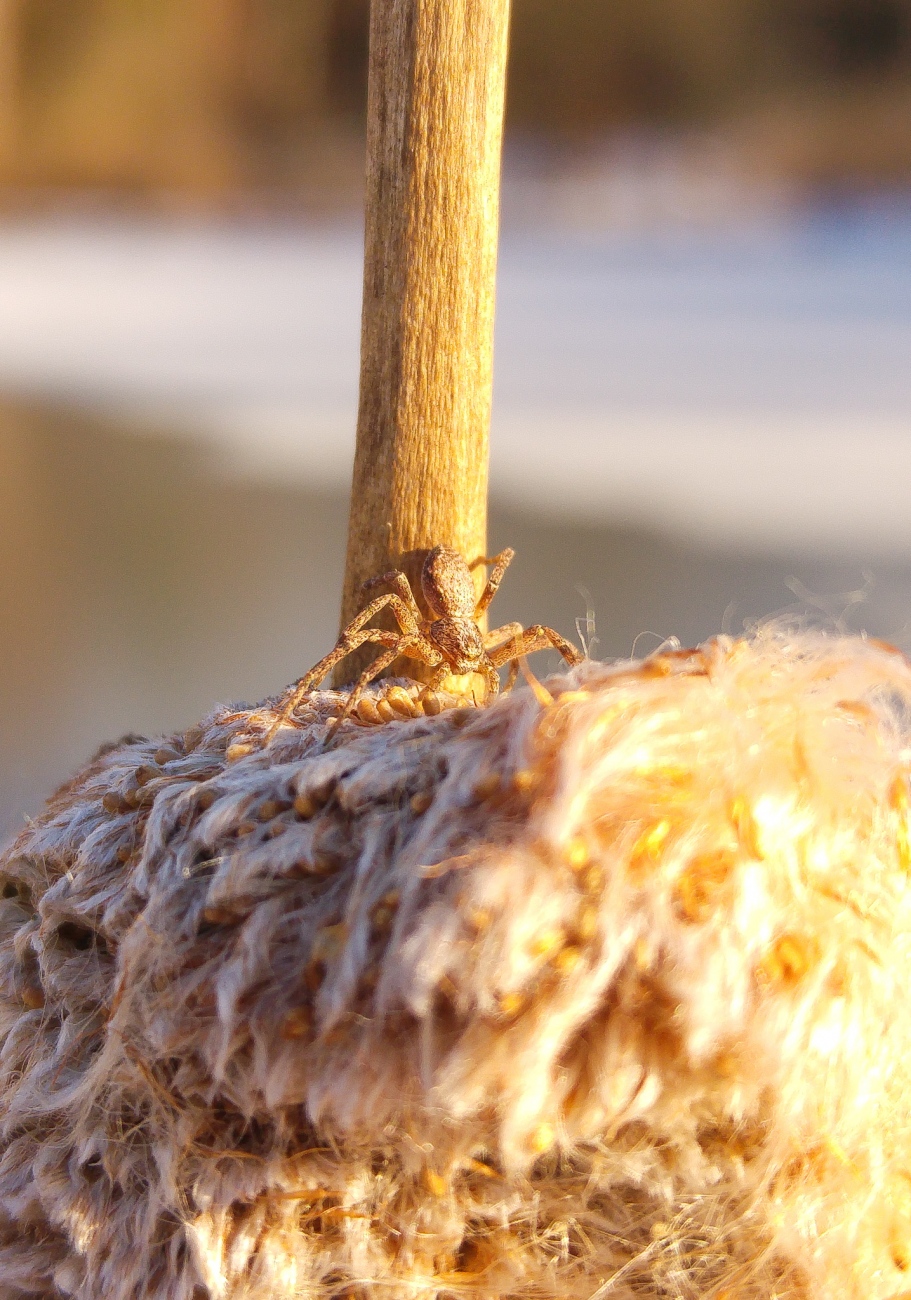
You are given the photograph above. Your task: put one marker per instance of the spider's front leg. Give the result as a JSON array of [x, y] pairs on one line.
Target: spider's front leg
[[484, 667], [501, 563], [532, 639], [347, 643], [382, 661], [500, 636], [350, 640], [399, 583]]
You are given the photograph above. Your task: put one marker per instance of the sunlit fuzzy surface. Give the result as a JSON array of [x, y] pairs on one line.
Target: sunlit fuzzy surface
[[597, 996]]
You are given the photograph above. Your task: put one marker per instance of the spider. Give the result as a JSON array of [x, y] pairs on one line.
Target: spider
[[449, 641]]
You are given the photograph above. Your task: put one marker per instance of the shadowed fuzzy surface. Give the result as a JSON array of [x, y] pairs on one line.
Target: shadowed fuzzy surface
[[601, 994]]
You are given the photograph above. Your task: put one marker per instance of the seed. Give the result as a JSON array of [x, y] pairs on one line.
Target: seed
[[435, 1183], [223, 915], [143, 798], [543, 1138], [700, 882], [593, 880], [317, 794], [305, 806], [205, 799], [745, 825], [548, 942], [903, 847], [898, 800], [431, 703], [901, 1258], [587, 925], [237, 750], [382, 917], [401, 701], [576, 853], [524, 781], [130, 799], [296, 1023], [165, 755], [276, 829], [479, 919], [385, 710], [385, 910], [112, 802], [328, 942], [124, 855], [271, 808], [649, 844], [567, 960], [367, 711], [511, 1004], [789, 959], [32, 996], [324, 864], [245, 828], [191, 738], [420, 802], [147, 773], [487, 786], [321, 864]]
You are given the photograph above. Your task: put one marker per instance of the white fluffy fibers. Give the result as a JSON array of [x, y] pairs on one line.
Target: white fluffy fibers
[[596, 994]]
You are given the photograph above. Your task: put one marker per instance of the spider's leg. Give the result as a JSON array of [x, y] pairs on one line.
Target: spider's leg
[[348, 642], [382, 661], [485, 667], [299, 689], [512, 676], [501, 563], [402, 588], [421, 648], [396, 604], [532, 639], [492, 559], [499, 636], [493, 677], [498, 639], [443, 671], [350, 639]]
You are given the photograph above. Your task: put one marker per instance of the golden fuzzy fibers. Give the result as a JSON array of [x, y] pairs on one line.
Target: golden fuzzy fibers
[[593, 993]]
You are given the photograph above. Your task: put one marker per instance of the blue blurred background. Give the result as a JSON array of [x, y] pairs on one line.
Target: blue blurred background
[[703, 395]]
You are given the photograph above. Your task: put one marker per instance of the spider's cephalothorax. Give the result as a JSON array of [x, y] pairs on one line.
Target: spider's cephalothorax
[[449, 642]]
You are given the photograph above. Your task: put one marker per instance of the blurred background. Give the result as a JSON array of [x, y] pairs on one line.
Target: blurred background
[[703, 396]]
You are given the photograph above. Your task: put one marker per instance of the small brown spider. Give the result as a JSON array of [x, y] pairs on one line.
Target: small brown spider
[[450, 641]]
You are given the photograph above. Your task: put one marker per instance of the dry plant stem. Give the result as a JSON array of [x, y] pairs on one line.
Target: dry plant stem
[[435, 112]]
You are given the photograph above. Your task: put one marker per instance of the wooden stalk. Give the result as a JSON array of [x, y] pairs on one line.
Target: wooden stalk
[[10, 106], [434, 136]]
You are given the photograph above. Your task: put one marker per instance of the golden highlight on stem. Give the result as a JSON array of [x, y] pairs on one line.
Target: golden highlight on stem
[[435, 117]]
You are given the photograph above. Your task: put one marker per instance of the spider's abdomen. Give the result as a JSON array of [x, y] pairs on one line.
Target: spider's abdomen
[[460, 641], [447, 584]]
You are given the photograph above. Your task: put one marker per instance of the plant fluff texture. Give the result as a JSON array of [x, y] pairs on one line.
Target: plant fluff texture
[[600, 991]]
